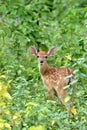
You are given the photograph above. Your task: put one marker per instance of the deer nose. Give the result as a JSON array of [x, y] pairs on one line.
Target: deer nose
[[41, 61]]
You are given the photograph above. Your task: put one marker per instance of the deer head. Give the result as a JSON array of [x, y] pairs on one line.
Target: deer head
[[42, 55]]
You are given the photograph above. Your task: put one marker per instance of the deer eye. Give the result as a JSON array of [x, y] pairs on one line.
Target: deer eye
[[37, 56], [46, 57]]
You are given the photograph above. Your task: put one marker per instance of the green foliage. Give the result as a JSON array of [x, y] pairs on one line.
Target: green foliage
[[24, 102]]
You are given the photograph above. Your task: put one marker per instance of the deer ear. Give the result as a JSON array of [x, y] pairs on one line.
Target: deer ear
[[51, 51], [33, 51]]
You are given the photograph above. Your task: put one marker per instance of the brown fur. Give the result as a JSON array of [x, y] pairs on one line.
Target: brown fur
[[52, 77]]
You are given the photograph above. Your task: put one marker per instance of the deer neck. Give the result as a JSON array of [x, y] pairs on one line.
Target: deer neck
[[43, 68]]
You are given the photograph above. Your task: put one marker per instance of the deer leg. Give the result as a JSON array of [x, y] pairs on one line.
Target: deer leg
[[62, 95], [59, 101], [50, 91]]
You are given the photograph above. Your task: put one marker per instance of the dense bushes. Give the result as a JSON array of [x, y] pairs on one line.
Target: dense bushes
[[24, 102]]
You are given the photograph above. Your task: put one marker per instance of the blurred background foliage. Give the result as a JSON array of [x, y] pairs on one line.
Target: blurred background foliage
[[24, 102]]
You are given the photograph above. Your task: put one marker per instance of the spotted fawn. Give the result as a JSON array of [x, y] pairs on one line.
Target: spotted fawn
[[54, 78]]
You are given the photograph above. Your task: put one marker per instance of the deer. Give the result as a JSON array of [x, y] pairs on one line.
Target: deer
[[53, 77]]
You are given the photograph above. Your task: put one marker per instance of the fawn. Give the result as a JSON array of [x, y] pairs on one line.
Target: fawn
[[54, 78]]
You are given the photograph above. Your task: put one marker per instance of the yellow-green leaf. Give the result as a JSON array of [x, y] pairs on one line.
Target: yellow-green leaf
[[67, 98], [39, 127]]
